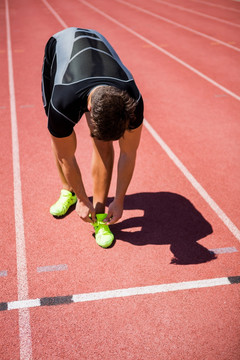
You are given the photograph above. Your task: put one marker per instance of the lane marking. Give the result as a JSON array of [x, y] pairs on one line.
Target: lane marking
[[225, 219], [60, 20], [178, 25], [217, 5], [59, 267], [119, 293], [3, 273], [225, 250], [197, 13], [22, 281], [233, 229], [189, 67], [26, 106], [220, 95]]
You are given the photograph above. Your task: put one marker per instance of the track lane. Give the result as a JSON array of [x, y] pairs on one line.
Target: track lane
[[225, 33], [210, 60], [142, 327], [58, 253], [157, 15], [194, 124], [90, 256], [217, 15], [8, 283]]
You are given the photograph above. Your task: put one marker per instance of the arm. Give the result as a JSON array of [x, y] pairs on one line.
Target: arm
[[64, 149], [128, 150]]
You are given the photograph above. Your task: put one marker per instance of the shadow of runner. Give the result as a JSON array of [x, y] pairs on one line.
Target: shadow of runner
[[168, 219]]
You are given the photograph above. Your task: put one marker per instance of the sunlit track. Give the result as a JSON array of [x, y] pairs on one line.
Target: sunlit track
[[172, 274], [205, 77], [24, 316], [178, 25], [197, 13], [232, 227], [216, 5], [235, 231], [64, 25]]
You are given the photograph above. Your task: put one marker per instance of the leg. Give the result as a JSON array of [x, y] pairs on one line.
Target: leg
[[64, 182], [102, 165], [67, 197]]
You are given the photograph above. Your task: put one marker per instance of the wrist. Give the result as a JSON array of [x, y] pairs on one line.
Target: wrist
[[119, 199]]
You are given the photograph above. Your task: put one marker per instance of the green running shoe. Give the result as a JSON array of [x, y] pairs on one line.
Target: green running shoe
[[66, 200], [103, 235]]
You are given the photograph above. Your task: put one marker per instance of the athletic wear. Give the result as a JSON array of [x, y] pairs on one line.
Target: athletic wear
[[77, 60], [103, 235], [66, 200]]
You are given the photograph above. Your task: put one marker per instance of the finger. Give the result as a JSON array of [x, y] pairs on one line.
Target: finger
[[113, 220], [87, 219], [93, 217], [108, 218]]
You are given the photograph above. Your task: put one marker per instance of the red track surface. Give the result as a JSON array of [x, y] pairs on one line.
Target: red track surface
[[164, 216]]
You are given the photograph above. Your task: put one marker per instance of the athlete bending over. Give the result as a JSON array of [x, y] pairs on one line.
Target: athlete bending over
[[82, 74]]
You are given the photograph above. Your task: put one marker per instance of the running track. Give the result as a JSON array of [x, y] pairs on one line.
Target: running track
[[158, 293]]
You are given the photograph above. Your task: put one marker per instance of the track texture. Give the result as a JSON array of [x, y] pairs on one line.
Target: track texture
[[169, 287]]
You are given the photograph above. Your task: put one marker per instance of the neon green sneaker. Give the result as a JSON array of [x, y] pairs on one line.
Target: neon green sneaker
[[103, 235], [66, 200]]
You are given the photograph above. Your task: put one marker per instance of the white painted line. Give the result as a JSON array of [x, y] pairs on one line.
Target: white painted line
[[26, 106], [60, 20], [3, 273], [59, 267], [179, 25], [216, 5], [24, 321], [234, 230], [197, 13], [153, 289], [189, 67], [23, 304], [225, 250], [121, 293]]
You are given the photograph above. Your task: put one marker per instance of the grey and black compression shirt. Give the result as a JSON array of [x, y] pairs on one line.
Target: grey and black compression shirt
[[77, 60]]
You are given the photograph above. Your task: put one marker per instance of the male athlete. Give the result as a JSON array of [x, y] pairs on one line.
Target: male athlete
[[83, 74]]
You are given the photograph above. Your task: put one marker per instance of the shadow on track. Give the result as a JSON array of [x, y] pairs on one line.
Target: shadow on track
[[168, 219]]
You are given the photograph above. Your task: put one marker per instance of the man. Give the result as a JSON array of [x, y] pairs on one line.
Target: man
[[83, 74]]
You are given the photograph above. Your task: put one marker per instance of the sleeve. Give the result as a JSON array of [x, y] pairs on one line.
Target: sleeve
[[58, 124], [48, 72], [139, 115]]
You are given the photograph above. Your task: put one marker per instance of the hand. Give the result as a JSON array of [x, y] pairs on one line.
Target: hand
[[86, 211], [115, 211]]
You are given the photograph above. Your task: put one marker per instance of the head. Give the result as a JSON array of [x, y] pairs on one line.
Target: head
[[111, 110]]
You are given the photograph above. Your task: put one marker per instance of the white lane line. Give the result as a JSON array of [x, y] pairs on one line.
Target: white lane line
[[189, 67], [197, 13], [64, 25], [178, 25], [225, 250], [216, 5], [3, 273], [120, 293], [47, 268], [234, 230], [24, 321], [23, 304], [153, 289]]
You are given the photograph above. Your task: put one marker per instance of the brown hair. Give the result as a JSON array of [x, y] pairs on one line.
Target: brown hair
[[111, 111]]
